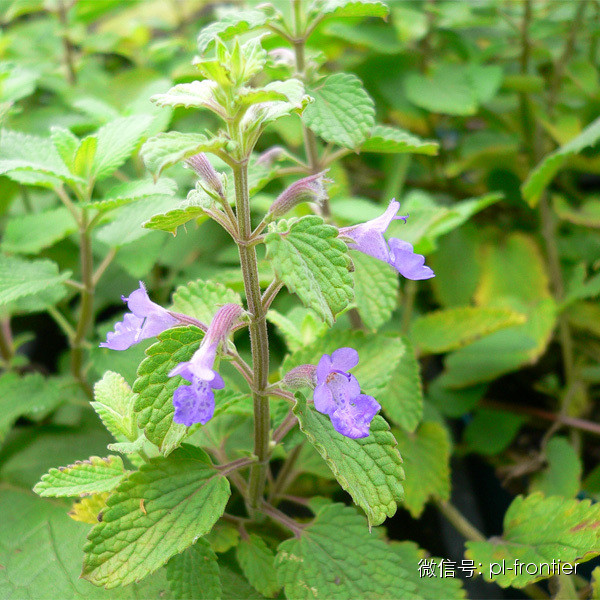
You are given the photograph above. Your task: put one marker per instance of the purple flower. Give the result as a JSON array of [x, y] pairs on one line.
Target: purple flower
[[307, 189], [195, 403], [146, 319], [337, 394], [368, 238]]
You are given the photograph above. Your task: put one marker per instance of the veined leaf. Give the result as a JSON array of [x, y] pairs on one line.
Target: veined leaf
[[544, 173], [232, 24], [154, 404], [334, 558], [348, 8], [426, 456], [113, 401], [195, 573], [197, 94], [307, 256], [166, 149], [391, 140], [369, 469], [342, 113], [66, 144], [257, 562], [86, 510], [91, 476], [171, 220], [539, 530], [130, 191], [201, 299], [453, 328], [154, 514], [116, 141], [562, 475]]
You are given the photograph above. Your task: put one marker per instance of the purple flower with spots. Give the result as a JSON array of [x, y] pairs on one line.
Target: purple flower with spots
[[195, 403], [146, 319], [337, 394], [368, 238]]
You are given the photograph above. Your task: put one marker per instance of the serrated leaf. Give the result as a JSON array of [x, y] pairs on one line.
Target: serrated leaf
[[391, 140], [544, 173], [29, 234], [91, 476], [313, 263], [540, 530], [114, 401], [402, 398], [87, 510], [20, 152], [342, 112], [454, 328], [335, 557], [562, 475], [300, 327], [348, 8], [197, 94], [116, 141], [201, 299], [130, 191], [154, 514], [171, 220], [257, 562], [376, 288], [31, 396], [369, 469], [195, 573], [426, 461], [166, 149], [154, 404], [83, 161], [66, 144], [232, 24], [36, 537], [20, 278]]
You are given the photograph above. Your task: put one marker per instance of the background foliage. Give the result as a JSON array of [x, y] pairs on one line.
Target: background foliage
[[481, 119]]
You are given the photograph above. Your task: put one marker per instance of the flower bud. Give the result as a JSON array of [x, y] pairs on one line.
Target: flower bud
[[309, 189], [201, 165], [270, 156], [299, 377]]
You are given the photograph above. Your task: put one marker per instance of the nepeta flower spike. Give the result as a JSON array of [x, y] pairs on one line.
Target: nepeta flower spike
[[308, 189], [195, 403], [368, 238], [337, 394], [146, 319], [202, 166]]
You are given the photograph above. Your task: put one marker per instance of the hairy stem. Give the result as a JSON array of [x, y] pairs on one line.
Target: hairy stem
[[259, 339], [6, 341]]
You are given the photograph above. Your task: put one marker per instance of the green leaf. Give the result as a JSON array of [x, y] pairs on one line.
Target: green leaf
[[91, 476], [201, 299], [114, 401], [87, 509], [369, 469], [587, 215], [334, 557], [539, 530], [84, 157], [257, 562], [454, 328], [402, 398], [233, 23], [313, 263], [491, 431], [166, 149], [181, 496], [348, 8], [40, 550], [342, 112], [448, 90], [20, 278], [66, 144], [195, 573], [426, 456], [391, 140], [29, 234], [596, 584], [376, 288], [34, 157], [196, 94], [171, 220], [116, 141], [154, 404], [544, 173], [300, 327], [31, 396], [562, 475], [130, 191], [235, 586]]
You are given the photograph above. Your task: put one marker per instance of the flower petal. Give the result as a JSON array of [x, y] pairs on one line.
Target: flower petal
[[406, 262], [126, 333], [323, 368], [324, 399], [344, 359], [193, 404]]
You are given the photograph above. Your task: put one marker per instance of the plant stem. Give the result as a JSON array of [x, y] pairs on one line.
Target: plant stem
[[408, 303], [6, 341], [282, 518], [62, 10], [259, 339], [86, 313], [286, 473]]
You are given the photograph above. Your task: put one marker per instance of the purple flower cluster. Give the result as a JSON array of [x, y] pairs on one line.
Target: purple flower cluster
[[368, 238]]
